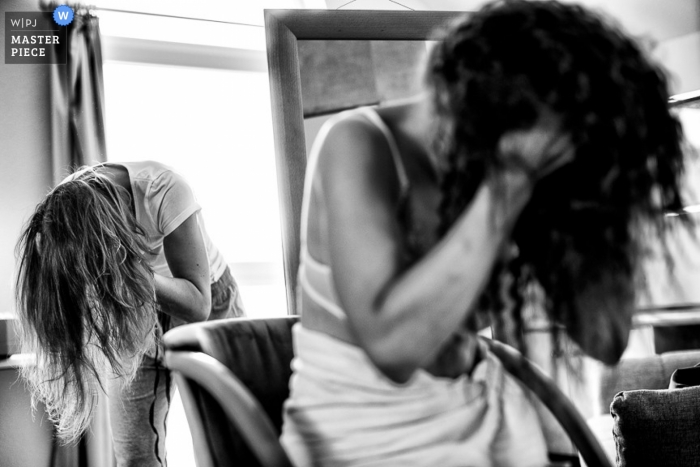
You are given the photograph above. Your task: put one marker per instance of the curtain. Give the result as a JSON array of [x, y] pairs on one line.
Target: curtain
[[78, 138], [77, 100]]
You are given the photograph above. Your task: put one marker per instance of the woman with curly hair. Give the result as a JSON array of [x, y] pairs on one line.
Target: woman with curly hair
[[114, 256], [537, 168]]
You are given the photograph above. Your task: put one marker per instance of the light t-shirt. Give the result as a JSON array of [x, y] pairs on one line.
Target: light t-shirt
[[163, 200]]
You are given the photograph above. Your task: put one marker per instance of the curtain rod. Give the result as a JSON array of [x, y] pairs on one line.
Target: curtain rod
[[50, 4]]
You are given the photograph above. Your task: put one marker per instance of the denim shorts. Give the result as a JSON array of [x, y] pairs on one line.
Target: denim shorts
[[226, 302], [226, 298]]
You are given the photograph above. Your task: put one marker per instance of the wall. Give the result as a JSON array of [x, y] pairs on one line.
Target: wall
[[673, 26], [25, 170], [681, 57], [337, 75]]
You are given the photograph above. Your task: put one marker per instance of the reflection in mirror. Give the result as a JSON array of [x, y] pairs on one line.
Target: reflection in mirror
[[301, 41], [285, 30], [340, 75], [322, 98]]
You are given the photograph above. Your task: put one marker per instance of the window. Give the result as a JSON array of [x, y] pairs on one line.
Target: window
[[214, 127], [195, 95]]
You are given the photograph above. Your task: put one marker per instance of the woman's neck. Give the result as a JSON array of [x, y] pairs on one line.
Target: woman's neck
[[416, 121]]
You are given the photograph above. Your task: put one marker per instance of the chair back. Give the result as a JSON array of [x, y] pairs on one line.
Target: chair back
[[649, 372], [233, 376]]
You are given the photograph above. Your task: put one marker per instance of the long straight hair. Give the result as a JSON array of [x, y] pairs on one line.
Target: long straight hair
[[85, 296]]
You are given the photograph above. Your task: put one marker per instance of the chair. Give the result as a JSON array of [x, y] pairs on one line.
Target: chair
[[235, 408], [640, 420], [657, 427], [233, 378]]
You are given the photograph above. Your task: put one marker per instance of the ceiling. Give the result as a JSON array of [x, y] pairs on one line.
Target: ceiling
[[659, 20]]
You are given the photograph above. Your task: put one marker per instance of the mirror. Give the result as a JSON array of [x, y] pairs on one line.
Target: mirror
[[284, 30], [309, 50], [340, 75]]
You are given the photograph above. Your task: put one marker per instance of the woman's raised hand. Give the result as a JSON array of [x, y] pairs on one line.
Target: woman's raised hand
[[538, 150]]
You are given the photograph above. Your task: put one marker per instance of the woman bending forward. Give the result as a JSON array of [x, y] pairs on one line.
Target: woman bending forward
[[112, 258]]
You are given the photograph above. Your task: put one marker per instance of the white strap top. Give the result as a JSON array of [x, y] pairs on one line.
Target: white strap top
[[315, 278]]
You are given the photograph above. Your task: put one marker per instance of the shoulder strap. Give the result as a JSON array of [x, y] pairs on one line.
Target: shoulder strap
[[375, 119]]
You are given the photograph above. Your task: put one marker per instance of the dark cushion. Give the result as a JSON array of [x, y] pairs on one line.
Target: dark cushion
[[259, 352], [652, 372], [657, 427], [685, 378]]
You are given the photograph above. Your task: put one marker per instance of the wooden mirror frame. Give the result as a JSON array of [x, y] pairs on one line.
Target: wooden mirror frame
[[283, 28]]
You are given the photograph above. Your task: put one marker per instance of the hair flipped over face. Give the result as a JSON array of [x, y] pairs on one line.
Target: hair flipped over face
[[582, 234], [85, 297]]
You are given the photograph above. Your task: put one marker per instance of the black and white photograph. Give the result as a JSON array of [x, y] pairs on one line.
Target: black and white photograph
[[350, 233]]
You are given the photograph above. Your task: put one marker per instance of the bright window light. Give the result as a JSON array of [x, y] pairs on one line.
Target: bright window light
[[214, 127]]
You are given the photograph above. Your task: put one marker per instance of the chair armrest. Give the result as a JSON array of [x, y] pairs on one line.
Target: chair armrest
[[556, 402], [244, 412]]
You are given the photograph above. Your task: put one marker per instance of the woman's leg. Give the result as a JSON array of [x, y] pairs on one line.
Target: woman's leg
[[138, 416], [138, 413]]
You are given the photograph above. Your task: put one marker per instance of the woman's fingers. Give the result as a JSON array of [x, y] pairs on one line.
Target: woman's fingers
[[561, 159], [559, 153], [538, 151]]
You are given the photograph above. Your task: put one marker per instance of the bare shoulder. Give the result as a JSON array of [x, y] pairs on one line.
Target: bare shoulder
[[354, 148]]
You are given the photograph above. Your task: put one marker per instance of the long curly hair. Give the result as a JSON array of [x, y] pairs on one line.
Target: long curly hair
[[585, 229], [85, 297]]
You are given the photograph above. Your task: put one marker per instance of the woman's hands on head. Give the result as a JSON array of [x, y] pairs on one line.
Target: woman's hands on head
[[402, 313], [538, 150]]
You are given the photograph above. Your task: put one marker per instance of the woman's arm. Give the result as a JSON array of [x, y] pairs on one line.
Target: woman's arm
[[186, 295], [401, 317]]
